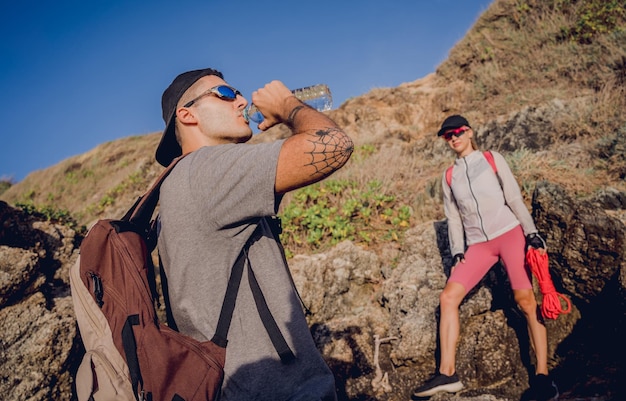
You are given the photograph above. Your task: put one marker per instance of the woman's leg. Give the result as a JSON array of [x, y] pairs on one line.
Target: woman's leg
[[449, 326], [464, 276], [513, 258], [537, 330]]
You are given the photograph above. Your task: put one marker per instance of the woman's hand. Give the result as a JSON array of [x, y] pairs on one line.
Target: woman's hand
[[536, 242], [459, 257]]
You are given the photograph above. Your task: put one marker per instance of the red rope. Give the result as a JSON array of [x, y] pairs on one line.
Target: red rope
[[551, 305]]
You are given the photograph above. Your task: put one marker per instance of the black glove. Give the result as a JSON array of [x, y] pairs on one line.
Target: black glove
[[457, 258], [535, 241]]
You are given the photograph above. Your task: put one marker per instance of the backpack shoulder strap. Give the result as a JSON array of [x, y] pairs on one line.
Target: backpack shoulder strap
[[489, 156], [228, 307], [137, 219], [449, 175], [141, 212], [281, 346]]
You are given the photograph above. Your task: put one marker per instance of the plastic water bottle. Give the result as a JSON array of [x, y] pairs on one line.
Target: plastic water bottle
[[316, 96]]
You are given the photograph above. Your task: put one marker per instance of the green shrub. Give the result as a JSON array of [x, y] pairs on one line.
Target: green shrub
[[51, 214], [596, 17], [323, 214]]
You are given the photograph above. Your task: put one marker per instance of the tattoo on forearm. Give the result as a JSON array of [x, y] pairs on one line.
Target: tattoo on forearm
[[292, 114], [331, 150]]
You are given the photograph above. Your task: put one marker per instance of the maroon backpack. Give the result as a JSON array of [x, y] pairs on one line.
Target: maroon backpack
[[130, 354], [160, 364]]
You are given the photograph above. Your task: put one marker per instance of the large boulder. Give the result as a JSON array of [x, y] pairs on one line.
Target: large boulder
[[40, 342]]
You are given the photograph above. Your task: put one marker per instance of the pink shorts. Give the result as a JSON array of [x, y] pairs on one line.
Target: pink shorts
[[508, 247]]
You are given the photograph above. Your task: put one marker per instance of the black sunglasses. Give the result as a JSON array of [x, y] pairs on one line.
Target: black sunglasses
[[224, 92], [456, 132]]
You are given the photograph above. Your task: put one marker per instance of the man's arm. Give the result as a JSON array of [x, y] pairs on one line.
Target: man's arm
[[317, 148]]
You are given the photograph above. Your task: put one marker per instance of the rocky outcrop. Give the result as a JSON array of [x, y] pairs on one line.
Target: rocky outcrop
[[587, 245], [39, 345], [373, 317], [356, 299]]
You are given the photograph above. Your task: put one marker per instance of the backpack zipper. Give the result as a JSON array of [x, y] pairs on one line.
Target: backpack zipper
[[98, 292], [84, 297]]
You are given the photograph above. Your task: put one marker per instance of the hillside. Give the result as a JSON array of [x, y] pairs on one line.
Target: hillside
[[558, 63]]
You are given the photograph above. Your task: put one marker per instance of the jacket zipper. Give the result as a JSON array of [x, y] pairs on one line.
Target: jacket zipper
[[469, 183]]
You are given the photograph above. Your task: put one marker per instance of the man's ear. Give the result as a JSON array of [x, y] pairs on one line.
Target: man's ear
[[185, 116]]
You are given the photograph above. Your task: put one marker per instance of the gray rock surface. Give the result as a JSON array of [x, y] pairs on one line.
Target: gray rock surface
[[374, 319]]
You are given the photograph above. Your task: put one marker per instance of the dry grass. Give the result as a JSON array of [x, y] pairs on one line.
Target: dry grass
[[515, 56], [99, 183]]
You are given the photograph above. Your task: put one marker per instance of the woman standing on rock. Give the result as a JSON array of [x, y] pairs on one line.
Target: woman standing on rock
[[486, 213]]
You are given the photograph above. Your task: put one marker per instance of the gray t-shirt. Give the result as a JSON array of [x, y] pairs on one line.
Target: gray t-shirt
[[210, 205]]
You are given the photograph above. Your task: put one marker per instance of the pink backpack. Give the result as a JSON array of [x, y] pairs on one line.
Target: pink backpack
[[489, 158]]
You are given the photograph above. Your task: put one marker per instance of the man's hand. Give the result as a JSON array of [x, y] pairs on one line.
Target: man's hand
[[316, 148], [273, 101]]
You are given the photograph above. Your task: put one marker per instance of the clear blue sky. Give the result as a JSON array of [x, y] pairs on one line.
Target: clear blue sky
[[77, 73]]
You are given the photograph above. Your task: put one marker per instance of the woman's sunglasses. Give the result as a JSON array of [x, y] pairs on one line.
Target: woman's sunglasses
[[224, 92], [456, 132]]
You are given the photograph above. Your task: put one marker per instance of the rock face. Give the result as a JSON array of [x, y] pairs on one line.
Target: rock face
[[588, 245], [39, 343], [374, 320]]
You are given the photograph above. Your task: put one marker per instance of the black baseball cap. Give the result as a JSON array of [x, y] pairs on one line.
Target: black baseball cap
[[169, 148], [452, 122]]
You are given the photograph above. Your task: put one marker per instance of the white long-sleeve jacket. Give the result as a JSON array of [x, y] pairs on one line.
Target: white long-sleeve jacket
[[478, 208]]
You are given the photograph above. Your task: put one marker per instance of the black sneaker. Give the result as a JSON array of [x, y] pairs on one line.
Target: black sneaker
[[544, 389], [439, 382]]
